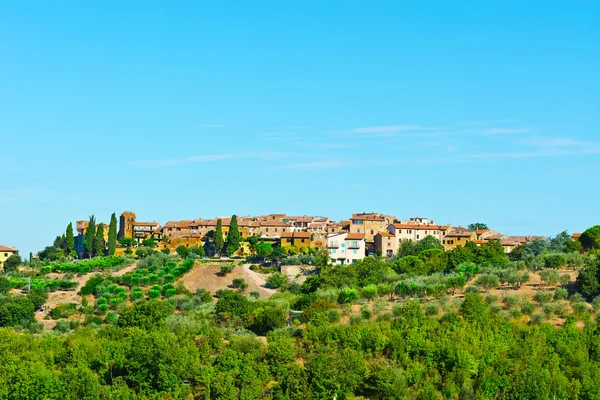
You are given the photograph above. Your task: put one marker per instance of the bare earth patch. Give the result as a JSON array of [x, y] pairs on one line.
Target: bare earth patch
[[209, 277]]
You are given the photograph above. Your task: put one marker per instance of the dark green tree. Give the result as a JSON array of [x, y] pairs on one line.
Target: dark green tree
[[12, 263], [38, 297], [233, 239], [90, 235], [427, 243], [477, 226], [112, 235], [99, 245], [69, 240], [590, 239], [182, 251], [219, 242]]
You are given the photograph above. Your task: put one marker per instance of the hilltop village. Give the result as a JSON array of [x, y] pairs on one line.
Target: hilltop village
[[347, 241]]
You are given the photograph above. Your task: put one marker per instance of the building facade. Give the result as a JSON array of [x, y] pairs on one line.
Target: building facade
[[346, 248]]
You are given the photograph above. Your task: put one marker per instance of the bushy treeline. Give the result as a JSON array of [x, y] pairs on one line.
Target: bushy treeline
[[467, 353], [84, 266]]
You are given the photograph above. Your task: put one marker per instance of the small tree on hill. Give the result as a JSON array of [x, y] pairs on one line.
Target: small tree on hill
[[90, 235], [69, 240], [219, 242], [233, 239], [112, 235], [99, 241]]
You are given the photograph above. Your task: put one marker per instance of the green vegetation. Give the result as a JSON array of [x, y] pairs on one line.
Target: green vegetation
[[90, 235], [218, 241], [233, 238], [112, 235]]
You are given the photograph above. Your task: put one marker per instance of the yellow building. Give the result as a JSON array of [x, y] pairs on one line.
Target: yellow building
[[126, 221], [458, 237], [370, 224], [6, 252]]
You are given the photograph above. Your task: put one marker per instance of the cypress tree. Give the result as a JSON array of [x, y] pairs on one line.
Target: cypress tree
[[90, 234], [69, 240], [233, 239], [112, 235], [219, 241], [99, 241]]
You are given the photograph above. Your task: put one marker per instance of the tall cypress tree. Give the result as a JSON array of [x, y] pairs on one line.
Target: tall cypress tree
[[99, 241], [112, 235], [90, 234], [233, 239], [69, 240], [219, 241]]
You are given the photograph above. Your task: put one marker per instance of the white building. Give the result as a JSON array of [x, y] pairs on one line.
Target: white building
[[346, 248]]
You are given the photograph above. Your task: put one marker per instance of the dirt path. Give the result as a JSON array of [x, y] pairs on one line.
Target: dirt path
[[209, 277]]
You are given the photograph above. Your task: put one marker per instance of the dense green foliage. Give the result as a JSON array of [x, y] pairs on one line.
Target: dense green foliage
[[69, 240], [112, 235], [90, 235], [233, 237], [218, 241], [590, 238]]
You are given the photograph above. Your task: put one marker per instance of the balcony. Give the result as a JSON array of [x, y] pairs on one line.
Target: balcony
[[353, 245], [333, 245]]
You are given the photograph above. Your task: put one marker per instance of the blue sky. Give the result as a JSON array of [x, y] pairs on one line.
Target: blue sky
[[460, 111]]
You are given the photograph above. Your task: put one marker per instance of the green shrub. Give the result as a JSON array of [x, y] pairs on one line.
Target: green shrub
[[366, 313], [276, 280], [510, 300], [527, 308], [560, 293]]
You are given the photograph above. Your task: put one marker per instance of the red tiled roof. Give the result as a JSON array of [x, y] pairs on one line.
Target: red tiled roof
[[368, 217], [273, 223], [145, 223], [6, 249], [355, 236], [302, 235], [385, 234], [576, 235], [287, 235], [421, 227]]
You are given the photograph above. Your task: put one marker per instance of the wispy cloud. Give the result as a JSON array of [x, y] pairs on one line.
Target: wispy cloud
[[384, 130], [505, 131], [186, 160], [209, 126], [314, 165]]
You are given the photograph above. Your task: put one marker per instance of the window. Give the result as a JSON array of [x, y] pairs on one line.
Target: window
[[302, 240], [426, 232], [355, 251], [343, 244], [354, 244], [5, 254], [435, 232], [417, 236], [275, 229], [372, 231], [357, 221], [342, 251], [267, 229], [333, 251], [399, 230]]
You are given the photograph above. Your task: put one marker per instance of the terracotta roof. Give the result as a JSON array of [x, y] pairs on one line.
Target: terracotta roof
[[273, 223], [368, 217], [145, 223], [479, 241], [420, 227], [462, 233], [178, 224], [355, 236], [576, 235], [480, 231], [509, 243], [4, 248], [287, 235], [385, 234], [301, 235]]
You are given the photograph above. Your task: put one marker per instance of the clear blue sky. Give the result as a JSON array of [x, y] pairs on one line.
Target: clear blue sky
[[459, 111]]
